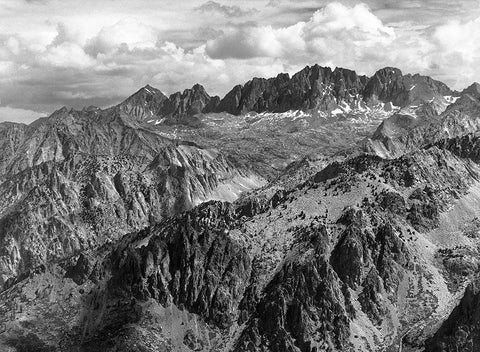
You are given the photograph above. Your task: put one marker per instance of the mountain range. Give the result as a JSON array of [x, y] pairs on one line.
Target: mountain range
[[326, 211], [313, 87]]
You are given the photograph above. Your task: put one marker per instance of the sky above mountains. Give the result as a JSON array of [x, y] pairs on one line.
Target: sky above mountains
[[79, 53]]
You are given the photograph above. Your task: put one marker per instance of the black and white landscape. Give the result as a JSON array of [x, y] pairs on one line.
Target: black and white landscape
[[291, 176]]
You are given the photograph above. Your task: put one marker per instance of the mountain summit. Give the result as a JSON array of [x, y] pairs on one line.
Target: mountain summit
[[145, 104]]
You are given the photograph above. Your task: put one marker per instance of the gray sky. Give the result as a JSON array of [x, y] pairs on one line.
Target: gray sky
[[90, 52]]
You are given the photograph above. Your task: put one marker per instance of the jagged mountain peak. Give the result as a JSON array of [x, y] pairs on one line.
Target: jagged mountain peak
[[313, 87], [143, 104], [91, 108], [147, 91], [390, 85], [389, 71], [149, 103], [347, 72], [197, 89], [190, 102]]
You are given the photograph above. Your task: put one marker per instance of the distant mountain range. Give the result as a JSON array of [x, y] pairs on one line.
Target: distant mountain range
[[313, 87]]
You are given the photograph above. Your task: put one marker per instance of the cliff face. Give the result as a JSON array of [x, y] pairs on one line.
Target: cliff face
[[314, 87], [191, 102]]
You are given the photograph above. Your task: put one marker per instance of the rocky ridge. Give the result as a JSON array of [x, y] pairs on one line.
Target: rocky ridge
[[312, 88]]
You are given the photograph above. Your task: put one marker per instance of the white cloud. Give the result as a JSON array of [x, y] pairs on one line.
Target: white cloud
[[67, 55], [335, 18], [131, 33], [225, 10], [354, 37], [462, 38], [6, 67], [336, 30], [186, 68], [457, 51]]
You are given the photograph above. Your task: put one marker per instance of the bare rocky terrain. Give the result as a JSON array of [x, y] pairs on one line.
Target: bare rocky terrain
[[320, 212]]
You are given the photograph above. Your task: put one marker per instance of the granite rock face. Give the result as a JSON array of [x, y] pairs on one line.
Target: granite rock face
[[191, 102], [313, 87], [390, 85], [321, 88]]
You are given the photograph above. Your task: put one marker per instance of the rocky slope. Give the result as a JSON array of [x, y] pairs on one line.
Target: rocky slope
[[144, 104], [410, 128], [149, 226], [77, 179], [350, 259]]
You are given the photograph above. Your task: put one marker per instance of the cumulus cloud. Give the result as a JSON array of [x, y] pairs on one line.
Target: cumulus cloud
[[334, 32], [458, 50], [225, 10], [133, 34], [354, 37], [68, 55], [461, 38]]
